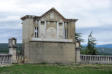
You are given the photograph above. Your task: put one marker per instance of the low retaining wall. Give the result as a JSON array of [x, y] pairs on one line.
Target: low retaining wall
[[95, 59], [5, 59]]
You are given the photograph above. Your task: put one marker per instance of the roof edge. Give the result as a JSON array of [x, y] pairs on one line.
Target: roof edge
[[52, 9], [29, 16]]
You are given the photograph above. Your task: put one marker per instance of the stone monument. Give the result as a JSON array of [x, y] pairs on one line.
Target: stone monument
[[49, 38]]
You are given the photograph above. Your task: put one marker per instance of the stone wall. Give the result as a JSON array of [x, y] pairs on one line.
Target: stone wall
[[50, 52]]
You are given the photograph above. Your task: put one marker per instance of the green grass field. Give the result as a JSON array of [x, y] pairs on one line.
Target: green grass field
[[56, 69]]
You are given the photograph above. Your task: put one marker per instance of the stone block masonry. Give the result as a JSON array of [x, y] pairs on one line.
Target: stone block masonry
[[51, 52]]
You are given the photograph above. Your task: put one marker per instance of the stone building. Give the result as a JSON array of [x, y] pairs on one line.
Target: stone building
[[49, 38]]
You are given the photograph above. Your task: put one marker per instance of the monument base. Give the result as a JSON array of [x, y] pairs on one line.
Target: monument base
[[49, 52]]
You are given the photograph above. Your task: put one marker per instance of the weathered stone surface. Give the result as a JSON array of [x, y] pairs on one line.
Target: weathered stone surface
[[51, 52]]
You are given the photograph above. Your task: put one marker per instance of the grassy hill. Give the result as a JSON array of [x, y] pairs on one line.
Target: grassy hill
[[101, 50], [105, 51], [105, 46], [4, 47]]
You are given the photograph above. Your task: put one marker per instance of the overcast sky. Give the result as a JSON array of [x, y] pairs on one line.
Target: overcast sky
[[93, 15]]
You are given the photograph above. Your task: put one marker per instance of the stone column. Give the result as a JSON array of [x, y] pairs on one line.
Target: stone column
[[45, 29], [63, 30], [78, 52], [38, 29], [65, 27], [12, 49], [57, 29]]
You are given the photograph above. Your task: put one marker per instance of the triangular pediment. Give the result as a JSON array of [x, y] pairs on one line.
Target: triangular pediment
[[52, 14], [48, 16]]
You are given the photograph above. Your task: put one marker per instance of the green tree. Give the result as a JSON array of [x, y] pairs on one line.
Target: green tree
[[78, 37], [91, 49]]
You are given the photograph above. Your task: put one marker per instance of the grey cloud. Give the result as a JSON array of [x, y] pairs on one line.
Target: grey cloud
[[84, 10]]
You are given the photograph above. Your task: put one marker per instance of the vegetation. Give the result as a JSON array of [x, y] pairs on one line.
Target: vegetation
[[4, 47], [91, 49], [100, 50], [78, 37], [56, 69], [104, 51]]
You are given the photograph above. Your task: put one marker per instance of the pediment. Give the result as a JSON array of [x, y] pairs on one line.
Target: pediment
[[52, 14]]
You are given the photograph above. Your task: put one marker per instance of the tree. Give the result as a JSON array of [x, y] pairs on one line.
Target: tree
[[90, 49], [78, 37]]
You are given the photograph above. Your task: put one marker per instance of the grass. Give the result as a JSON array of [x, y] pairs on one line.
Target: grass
[[56, 69]]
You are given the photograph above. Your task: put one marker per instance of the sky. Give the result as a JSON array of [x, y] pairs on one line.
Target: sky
[[92, 15]]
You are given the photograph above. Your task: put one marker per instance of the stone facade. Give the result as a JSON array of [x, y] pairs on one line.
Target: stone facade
[[49, 38]]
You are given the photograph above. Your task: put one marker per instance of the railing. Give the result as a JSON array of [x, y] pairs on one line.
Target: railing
[[96, 59], [5, 59]]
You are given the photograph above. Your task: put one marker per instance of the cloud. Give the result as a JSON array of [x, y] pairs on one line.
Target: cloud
[[9, 18], [10, 25], [92, 14], [8, 33], [102, 34]]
